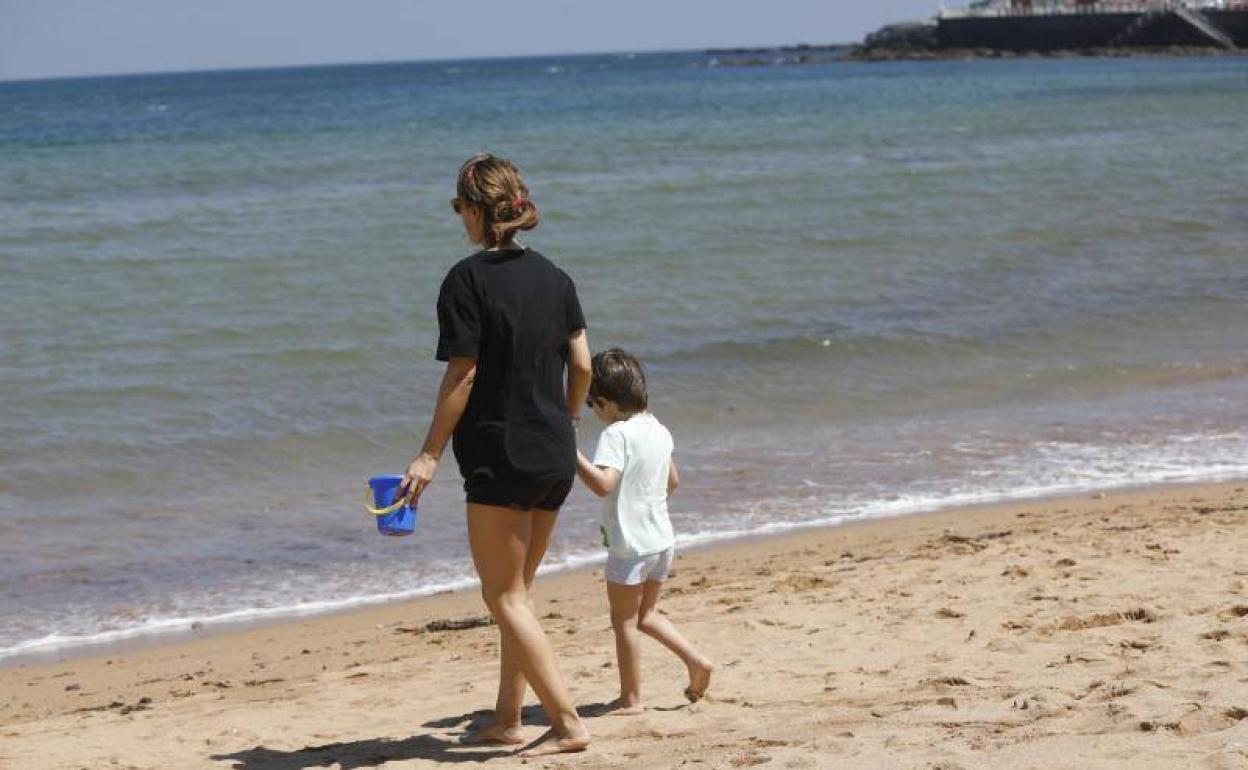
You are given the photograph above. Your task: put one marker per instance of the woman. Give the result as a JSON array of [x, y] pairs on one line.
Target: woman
[[509, 325]]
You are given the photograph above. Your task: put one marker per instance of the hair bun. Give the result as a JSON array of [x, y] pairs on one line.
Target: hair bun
[[495, 185]]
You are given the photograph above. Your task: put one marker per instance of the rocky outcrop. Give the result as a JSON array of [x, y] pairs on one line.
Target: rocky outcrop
[[914, 37]]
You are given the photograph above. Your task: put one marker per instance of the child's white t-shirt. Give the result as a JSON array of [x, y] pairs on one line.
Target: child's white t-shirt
[[634, 515]]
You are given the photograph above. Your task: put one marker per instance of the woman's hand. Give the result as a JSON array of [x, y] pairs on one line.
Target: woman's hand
[[419, 474]]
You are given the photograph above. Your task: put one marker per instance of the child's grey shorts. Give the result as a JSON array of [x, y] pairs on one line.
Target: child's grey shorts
[[635, 570]]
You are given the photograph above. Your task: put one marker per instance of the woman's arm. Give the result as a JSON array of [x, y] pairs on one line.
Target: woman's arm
[[452, 399], [579, 373], [673, 476], [599, 480]]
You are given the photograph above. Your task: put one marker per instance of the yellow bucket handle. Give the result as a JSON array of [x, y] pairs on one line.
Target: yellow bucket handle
[[368, 505]]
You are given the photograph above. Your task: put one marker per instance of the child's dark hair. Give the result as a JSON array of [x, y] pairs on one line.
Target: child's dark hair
[[618, 377]]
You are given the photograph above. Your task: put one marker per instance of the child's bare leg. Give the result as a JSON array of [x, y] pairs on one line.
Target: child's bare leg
[[625, 603], [655, 625], [505, 726]]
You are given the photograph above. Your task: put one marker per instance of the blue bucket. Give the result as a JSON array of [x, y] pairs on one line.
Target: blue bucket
[[392, 518]]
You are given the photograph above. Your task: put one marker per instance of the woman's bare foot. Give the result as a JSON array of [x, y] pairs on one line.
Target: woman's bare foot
[[493, 735], [553, 743], [620, 708], [699, 681]]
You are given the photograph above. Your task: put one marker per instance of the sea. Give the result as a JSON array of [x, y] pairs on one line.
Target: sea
[[860, 290]]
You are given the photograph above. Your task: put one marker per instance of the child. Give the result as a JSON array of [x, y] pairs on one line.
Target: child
[[634, 471]]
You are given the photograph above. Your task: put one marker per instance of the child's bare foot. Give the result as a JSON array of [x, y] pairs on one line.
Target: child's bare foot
[[492, 735], [621, 708], [699, 680], [553, 743]]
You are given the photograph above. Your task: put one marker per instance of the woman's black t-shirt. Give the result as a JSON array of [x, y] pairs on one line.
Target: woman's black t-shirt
[[513, 311]]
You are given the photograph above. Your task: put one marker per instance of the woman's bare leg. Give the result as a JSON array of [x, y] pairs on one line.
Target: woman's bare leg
[[505, 727], [500, 538], [655, 625], [625, 601]]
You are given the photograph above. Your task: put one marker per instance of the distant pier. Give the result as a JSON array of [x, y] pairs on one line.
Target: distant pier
[[1052, 27], [1023, 25]]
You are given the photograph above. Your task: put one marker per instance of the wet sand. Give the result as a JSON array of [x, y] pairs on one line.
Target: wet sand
[[1094, 632]]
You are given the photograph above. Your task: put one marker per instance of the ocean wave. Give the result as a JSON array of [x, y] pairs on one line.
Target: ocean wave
[[1049, 469], [905, 349], [184, 624]]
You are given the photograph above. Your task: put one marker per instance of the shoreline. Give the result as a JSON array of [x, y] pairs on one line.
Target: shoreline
[[176, 631], [1127, 587]]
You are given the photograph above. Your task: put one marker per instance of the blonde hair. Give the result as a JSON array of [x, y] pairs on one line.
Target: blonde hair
[[493, 185]]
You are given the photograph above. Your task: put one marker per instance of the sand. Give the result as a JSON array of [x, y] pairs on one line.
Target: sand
[[1108, 631]]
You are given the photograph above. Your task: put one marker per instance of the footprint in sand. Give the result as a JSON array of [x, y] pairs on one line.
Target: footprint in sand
[[945, 681], [1231, 758], [749, 759], [1101, 620], [1006, 646], [1201, 721], [1238, 611]]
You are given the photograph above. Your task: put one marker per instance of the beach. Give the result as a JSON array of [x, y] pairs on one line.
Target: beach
[[1105, 630]]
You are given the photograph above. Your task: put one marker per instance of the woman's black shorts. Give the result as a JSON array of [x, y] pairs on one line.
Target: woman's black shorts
[[521, 494]]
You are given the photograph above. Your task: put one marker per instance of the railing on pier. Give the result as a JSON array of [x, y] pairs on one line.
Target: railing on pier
[[1199, 22]]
